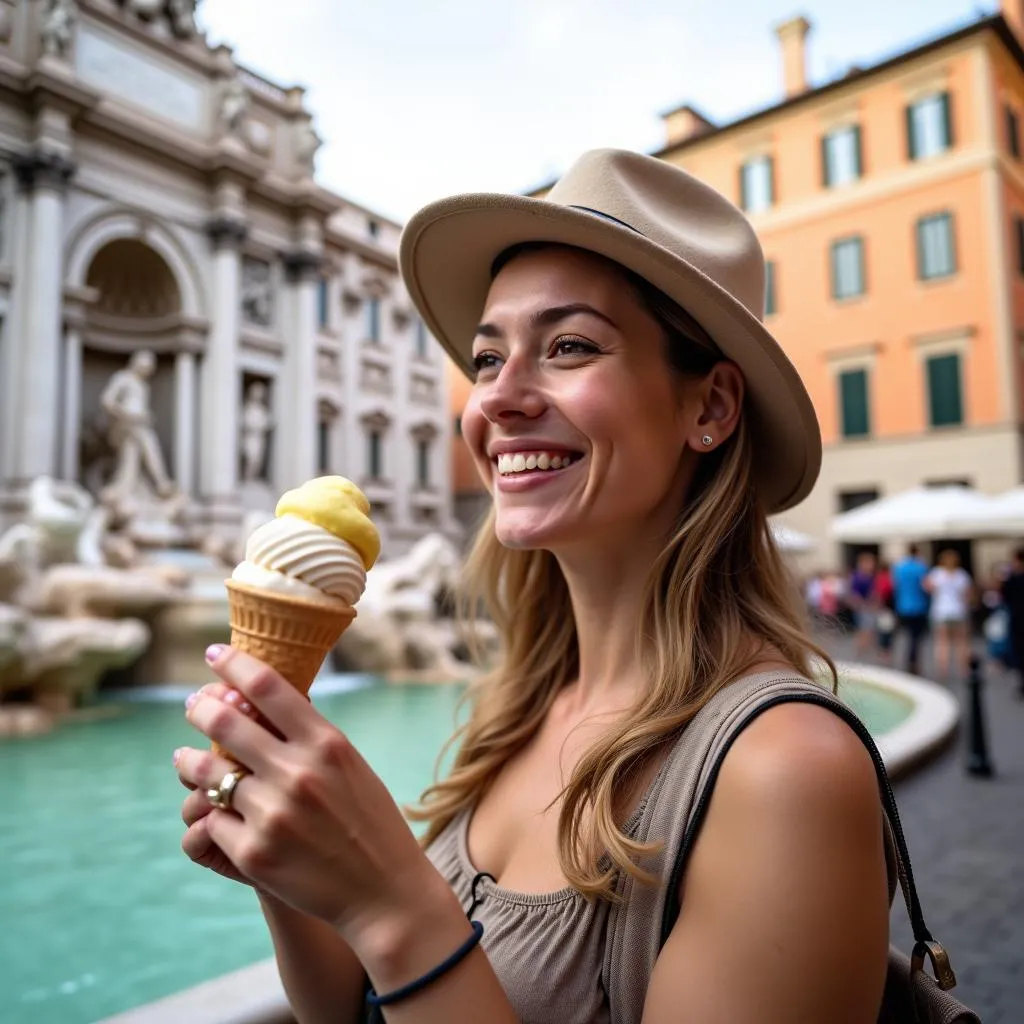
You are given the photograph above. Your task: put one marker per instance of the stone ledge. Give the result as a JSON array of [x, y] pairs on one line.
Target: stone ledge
[[252, 995]]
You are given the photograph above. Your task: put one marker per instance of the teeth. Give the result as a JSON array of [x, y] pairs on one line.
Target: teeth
[[522, 461]]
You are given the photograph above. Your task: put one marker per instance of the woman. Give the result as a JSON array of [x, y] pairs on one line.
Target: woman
[[635, 424], [952, 594]]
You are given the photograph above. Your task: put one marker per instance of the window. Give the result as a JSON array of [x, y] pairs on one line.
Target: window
[[423, 463], [936, 254], [322, 302], [458, 426], [421, 339], [945, 403], [771, 305], [853, 403], [847, 268], [323, 445], [1018, 226], [1012, 132], [929, 126], [373, 319], [375, 454], [757, 184], [841, 156]]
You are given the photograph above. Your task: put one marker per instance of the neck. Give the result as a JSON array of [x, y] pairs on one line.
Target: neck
[[607, 593]]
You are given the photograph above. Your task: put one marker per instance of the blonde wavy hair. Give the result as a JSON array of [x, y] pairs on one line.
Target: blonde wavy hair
[[718, 583]]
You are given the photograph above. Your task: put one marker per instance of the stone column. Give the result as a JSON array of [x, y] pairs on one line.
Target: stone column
[[185, 421], [295, 397], [12, 351], [220, 387], [71, 420], [43, 176]]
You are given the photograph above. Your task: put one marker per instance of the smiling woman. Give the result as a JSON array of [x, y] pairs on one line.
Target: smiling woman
[[649, 787]]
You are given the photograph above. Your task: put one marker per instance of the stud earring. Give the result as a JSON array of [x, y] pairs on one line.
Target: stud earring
[[707, 440]]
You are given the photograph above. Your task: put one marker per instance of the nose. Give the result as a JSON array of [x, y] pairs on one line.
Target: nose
[[513, 394]]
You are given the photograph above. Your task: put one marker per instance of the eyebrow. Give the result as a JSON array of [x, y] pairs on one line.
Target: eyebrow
[[548, 317]]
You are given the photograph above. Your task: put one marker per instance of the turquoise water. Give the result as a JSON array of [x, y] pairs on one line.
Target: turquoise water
[[99, 909]]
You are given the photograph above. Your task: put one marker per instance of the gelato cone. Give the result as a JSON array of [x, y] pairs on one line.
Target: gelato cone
[[294, 594]]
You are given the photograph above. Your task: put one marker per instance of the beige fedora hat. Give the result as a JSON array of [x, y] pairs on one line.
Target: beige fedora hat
[[662, 223]]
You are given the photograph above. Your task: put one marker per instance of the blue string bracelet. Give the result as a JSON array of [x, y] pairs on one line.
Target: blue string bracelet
[[372, 999]]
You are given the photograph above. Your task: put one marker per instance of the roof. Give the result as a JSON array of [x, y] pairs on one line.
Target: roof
[[995, 23]]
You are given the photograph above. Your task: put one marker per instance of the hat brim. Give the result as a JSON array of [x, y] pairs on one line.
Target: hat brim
[[448, 248]]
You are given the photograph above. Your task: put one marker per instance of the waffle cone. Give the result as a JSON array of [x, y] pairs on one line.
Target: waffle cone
[[292, 635]]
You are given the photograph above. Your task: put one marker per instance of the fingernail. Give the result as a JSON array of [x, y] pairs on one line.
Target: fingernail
[[236, 700], [214, 651], [176, 756], [191, 699]]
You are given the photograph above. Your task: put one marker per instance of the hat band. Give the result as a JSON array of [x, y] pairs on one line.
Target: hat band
[[606, 216]]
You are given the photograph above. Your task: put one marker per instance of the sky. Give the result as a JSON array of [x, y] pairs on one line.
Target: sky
[[417, 99]]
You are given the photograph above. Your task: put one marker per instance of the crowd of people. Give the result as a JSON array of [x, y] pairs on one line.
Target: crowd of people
[[941, 602]]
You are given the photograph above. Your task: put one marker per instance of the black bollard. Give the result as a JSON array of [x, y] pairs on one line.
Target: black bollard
[[978, 762]]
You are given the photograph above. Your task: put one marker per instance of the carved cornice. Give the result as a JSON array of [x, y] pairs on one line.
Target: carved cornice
[[227, 232], [43, 169], [302, 265]]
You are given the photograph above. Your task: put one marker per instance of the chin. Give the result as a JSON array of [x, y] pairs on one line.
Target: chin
[[521, 533]]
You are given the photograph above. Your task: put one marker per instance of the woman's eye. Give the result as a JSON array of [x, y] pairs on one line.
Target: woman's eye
[[573, 347], [486, 363]]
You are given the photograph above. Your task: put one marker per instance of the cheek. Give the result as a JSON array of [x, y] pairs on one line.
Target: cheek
[[474, 430]]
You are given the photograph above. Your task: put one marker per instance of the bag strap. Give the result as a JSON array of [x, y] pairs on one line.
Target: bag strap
[[925, 944]]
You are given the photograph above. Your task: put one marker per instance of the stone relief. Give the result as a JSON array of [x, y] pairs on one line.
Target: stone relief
[[257, 292], [57, 27], [256, 423], [375, 378], [327, 365], [423, 389], [181, 14]]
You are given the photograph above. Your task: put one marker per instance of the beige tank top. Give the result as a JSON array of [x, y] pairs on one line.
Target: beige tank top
[[555, 952]]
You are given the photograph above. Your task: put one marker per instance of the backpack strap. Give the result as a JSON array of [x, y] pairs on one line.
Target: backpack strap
[[642, 917]]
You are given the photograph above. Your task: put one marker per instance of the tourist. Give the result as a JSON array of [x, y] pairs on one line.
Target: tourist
[[911, 601], [885, 618], [1012, 592], [861, 598], [951, 590], [636, 425]]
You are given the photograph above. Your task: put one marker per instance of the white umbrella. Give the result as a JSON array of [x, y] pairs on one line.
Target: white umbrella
[[922, 513], [1002, 517], [792, 541]]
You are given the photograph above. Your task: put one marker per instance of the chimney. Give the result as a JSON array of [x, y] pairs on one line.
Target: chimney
[[1013, 12], [685, 123], [792, 35]]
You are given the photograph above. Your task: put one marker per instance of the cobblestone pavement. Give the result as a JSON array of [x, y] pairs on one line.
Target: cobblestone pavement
[[966, 840]]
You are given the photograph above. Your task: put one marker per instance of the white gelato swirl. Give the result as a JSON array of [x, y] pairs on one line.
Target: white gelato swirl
[[290, 555]]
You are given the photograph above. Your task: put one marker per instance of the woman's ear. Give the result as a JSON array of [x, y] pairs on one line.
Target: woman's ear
[[720, 395]]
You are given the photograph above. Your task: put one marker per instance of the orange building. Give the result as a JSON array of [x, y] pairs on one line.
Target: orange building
[[890, 205]]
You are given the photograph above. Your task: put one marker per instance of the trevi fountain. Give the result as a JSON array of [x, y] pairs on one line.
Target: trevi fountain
[[107, 582]]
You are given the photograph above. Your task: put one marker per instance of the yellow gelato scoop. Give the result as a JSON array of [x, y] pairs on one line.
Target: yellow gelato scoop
[[338, 506]]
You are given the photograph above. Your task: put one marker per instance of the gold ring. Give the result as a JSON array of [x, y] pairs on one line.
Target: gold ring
[[224, 794]]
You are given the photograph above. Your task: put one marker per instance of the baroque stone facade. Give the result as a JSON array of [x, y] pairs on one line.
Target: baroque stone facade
[[157, 196]]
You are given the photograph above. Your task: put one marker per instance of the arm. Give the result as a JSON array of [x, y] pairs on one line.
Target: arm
[[320, 974], [785, 903]]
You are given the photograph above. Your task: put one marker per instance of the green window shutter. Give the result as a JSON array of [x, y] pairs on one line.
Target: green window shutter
[[858, 151], [853, 403], [744, 201], [944, 390], [911, 141], [825, 176], [834, 263], [770, 301], [947, 118], [771, 180], [919, 240], [862, 269]]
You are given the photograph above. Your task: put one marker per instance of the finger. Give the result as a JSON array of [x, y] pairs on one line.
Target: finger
[[251, 744], [234, 838], [196, 842], [221, 691], [195, 807], [206, 770], [275, 698]]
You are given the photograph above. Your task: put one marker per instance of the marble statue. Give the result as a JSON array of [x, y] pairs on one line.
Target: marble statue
[[183, 17], [234, 105], [257, 292], [126, 401], [306, 147], [57, 27], [256, 424], [145, 8]]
